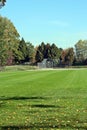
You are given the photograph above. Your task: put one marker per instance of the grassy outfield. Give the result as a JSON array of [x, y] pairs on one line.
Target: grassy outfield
[[43, 100]]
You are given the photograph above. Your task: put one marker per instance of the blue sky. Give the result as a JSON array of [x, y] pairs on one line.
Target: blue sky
[[62, 22]]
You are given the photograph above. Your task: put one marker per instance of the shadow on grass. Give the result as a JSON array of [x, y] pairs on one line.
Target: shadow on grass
[[2, 104], [45, 106], [23, 98], [42, 126]]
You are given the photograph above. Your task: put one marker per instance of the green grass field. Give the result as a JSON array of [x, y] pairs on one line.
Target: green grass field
[[43, 100]]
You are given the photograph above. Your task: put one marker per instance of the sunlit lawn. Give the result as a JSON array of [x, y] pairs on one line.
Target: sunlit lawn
[[37, 100]]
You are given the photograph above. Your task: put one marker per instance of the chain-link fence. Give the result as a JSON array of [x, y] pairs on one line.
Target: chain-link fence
[[48, 63]]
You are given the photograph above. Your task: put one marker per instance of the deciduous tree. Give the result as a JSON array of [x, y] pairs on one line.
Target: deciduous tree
[[67, 56], [9, 37], [2, 3], [81, 50]]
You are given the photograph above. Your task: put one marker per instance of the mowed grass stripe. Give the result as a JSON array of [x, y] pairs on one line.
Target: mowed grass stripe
[[43, 82]]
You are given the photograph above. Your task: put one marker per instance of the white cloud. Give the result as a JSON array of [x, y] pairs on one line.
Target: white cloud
[[82, 34], [59, 23]]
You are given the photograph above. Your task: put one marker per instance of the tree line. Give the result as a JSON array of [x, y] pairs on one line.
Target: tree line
[[14, 50]]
